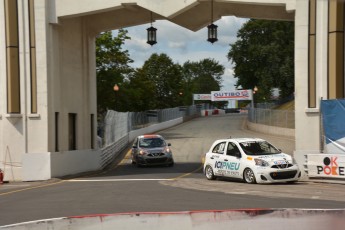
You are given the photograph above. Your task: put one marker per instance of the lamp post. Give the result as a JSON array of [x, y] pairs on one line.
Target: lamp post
[[254, 92], [252, 109], [116, 89]]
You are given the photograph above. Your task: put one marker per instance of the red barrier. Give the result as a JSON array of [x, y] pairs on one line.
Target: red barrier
[[1, 177]]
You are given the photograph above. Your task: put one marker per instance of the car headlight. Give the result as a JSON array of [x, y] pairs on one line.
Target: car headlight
[[142, 152], [167, 150], [261, 162]]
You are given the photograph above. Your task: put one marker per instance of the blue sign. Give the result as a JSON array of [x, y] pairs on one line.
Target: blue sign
[[333, 120]]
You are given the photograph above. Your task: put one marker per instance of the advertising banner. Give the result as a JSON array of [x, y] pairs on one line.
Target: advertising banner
[[231, 95], [326, 165], [333, 120], [202, 97]]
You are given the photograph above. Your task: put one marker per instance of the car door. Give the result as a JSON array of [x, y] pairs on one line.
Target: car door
[[135, 149], [214, 157], [230, 165]]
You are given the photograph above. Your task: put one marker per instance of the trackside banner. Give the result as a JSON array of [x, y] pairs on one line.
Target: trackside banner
[[333, 120], [231, 95], [326, 165], [202, 97]]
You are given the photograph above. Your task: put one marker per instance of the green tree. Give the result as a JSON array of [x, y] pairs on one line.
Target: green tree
[[112, 67], [166, 77], [264, 56], [139, 91], [202, 77]]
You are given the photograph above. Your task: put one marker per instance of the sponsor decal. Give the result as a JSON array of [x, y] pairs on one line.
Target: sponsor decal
[[281, 162], [330, 167], [227, 165], [228, 173]]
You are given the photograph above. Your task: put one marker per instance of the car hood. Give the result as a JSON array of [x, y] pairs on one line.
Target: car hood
[[154, 150], [276, 159]]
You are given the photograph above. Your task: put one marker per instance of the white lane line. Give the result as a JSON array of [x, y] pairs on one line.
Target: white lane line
[[115, 180]]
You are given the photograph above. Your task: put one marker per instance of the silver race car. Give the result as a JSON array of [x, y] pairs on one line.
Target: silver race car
[[151, 150]]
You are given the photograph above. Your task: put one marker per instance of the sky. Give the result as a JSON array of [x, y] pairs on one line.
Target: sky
[[181, 44]]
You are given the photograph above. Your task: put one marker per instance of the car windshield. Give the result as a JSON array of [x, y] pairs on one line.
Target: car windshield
[[258, 148], [151, 142]]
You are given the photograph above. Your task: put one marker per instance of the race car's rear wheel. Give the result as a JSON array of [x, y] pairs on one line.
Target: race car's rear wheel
[[249, 176], [209, 173]]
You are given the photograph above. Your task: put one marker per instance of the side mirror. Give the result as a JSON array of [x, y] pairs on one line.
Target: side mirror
[[169, 144], [134, 146]]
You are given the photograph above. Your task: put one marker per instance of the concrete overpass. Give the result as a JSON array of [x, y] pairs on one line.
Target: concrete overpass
[[48, 81]]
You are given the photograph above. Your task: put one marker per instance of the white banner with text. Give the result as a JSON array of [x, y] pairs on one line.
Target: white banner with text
[[232, 95]]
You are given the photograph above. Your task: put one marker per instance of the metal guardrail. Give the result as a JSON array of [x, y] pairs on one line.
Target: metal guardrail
[[272, 117]]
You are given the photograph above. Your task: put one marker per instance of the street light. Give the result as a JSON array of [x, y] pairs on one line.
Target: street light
[[212, 28], [254, 92], [151, 34], [255, 89], [116, 89]]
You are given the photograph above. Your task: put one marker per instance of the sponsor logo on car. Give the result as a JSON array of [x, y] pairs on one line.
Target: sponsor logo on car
[[227, 165]]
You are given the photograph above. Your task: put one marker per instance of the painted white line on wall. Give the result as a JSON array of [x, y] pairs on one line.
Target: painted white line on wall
[[115, 180]]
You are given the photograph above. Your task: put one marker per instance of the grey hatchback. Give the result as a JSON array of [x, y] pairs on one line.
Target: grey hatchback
[[151, 150]]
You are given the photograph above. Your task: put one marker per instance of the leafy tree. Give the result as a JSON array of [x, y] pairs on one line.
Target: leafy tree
[[112, 67], [139, 91], [264, 56], [167, 79], [202, 77]]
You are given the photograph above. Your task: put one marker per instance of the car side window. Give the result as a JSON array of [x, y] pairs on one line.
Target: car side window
[[233, 150], [219, 148], [135, 143]]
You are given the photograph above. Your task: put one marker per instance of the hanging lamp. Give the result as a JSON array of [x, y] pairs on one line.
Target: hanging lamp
[[212, 28], [151, 34]]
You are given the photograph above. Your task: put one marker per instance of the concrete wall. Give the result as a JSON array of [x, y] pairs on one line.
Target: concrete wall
[[154, 128], [273, 130], [44, 166]]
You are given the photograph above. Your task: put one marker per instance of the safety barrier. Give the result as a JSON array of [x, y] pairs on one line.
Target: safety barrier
[[282, 219]]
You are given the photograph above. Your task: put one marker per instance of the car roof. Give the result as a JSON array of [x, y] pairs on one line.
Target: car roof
[[150, 136], [240, 140]]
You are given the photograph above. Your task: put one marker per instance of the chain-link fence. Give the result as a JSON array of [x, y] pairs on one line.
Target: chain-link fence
[[272, 117]]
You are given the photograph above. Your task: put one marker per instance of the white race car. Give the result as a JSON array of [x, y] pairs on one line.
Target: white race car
[[251, 159]]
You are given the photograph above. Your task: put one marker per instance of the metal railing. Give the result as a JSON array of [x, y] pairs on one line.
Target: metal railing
[[272, 117]]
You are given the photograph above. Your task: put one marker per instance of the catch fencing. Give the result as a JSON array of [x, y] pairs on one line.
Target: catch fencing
[[272, 117], [118, 125]]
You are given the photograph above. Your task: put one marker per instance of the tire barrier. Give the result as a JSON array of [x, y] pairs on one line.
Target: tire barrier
[[282, 219]]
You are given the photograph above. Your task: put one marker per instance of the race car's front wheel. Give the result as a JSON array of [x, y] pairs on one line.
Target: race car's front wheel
[[248, 176], [209, 173]]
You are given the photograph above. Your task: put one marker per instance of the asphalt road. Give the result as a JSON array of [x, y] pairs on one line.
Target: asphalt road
[[183, 187]]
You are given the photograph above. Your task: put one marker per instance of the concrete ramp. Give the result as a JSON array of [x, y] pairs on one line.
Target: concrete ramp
[[282, 219]]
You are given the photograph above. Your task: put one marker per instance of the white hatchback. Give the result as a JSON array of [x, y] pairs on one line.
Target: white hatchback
[[252, 159]]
